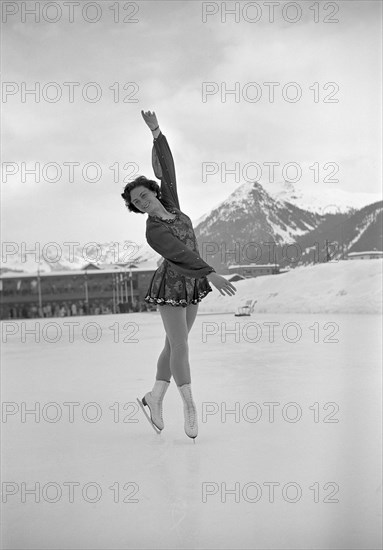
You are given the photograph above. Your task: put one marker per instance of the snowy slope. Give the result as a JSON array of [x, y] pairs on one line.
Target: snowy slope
[[334, 287]]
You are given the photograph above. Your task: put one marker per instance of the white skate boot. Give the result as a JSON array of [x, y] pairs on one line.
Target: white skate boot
[[153, 400], [190, 411]]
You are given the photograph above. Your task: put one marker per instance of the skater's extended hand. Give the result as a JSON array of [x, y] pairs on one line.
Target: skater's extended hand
[[150, 119], [222, 284]]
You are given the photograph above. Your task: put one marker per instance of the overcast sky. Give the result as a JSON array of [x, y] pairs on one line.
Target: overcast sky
[[169, 53]]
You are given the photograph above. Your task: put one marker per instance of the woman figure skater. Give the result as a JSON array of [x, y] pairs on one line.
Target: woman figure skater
[[180, 282]]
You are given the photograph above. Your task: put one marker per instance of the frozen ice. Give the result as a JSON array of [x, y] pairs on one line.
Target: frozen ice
[[320, 373]]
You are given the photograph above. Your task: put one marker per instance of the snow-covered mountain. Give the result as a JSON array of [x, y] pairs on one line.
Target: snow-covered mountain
[[199, 220], [251, 210], [360, 231], [238, 230], [61, 258], [252, 226], [317, 199]]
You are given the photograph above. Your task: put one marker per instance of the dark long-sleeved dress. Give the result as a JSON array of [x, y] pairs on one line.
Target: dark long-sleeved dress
[[181, 277]]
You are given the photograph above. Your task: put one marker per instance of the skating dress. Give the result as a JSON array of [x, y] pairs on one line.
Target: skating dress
[[181, 277]]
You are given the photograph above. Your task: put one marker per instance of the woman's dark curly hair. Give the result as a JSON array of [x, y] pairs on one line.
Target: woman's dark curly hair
[[140, 181]]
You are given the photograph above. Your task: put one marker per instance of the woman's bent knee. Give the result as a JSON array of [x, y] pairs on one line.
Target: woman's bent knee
[[177, 344]]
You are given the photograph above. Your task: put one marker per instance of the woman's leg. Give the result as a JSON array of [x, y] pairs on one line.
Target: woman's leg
[[178, 322], [163, 363]]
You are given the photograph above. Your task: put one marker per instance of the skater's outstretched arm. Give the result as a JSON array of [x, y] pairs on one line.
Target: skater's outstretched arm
[[162, 161], [180, 257], [184, 260]]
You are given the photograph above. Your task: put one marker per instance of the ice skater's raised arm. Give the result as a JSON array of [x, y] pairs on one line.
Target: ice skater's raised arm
[[151, 120], [162, 161]]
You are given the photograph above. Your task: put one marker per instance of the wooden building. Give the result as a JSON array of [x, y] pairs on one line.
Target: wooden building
[[115, 288], [253, 270], [369, 255]]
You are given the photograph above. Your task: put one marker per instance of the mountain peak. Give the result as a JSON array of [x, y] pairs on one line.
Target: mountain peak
[[320, 199]]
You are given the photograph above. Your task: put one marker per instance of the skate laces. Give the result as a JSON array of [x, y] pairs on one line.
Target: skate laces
[[157, 401], [190, 408]]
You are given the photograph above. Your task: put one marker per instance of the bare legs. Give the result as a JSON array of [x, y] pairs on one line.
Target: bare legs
[[174, 358]]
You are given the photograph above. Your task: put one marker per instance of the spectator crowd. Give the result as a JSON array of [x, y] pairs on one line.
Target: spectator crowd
[[71, 309]]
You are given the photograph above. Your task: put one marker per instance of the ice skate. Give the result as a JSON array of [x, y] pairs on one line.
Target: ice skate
[[190, 411], [153, 400]]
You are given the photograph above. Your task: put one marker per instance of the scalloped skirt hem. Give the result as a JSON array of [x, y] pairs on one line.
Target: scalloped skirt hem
[[182, 303], [168, 287]]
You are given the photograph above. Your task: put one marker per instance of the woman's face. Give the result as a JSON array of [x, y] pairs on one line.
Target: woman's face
[[143, 199]]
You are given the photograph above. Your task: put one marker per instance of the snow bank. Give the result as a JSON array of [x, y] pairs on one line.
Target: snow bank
[[335, 287]]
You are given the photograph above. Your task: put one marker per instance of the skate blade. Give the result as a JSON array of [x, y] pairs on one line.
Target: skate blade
[[148, 417]]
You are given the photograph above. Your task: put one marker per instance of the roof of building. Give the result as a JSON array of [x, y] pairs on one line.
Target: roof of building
[[236, 275], [252, 265], [376, 252], [71, 272]]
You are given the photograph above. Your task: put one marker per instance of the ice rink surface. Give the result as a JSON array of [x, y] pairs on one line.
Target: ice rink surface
[[288, 453]]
